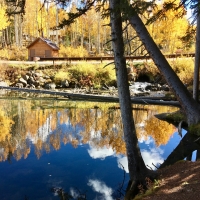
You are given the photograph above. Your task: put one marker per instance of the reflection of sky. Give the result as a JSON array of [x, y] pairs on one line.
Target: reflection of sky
[[102, 188], [98, 172], [152, 155], [101, 153]]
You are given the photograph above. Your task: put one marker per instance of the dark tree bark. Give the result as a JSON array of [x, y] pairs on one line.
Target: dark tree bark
[[189, 105], [137, 168], [197, 62], [182, 151], [188, 144]]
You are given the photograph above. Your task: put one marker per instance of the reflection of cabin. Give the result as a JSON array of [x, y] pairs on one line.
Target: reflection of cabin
[[42, 48]]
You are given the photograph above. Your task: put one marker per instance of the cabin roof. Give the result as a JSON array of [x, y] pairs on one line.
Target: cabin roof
[[47, 41]]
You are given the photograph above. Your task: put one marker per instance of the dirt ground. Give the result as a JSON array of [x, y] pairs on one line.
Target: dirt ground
[[180, 181]]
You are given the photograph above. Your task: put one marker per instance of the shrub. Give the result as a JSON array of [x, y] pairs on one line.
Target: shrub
[[184, 68], [92, 74], [14, 53], [105, 75], [72, 52], [61, 76]]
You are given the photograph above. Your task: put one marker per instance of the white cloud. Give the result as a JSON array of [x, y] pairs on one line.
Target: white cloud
[[102, 188]]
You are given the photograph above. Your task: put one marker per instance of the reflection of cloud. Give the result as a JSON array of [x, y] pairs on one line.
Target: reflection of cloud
[[152, 156], [100, 152], [122, 161], [102, 188], [145, 140], [74, 193]]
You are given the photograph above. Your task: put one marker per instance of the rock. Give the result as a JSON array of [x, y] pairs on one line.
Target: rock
[[31, 80], [25, 77], [37, 74], [24, 82], [131, 76], [64, 83], [32, 86], [3, 83], [36, 84], [50, 86], [164, 87], [19, 85], [129, 70]]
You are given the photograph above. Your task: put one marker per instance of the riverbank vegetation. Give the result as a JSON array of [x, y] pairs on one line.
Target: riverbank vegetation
[[85, 74]]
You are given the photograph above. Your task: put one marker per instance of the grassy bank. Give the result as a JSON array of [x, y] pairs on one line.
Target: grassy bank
[[96, 75]]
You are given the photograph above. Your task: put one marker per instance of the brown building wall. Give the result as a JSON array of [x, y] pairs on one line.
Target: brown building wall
[[55, 53], [40, 49]]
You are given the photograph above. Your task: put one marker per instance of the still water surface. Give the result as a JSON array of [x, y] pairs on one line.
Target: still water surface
[[76, 146]]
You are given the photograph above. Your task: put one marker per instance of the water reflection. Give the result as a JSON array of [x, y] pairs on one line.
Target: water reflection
[[49, 129]]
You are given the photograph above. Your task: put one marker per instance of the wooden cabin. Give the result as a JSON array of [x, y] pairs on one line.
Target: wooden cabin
[[42, 48]]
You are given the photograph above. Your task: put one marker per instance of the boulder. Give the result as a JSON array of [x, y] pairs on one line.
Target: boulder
[[24, 82], [131, 76], [50, 86], [3, 83], [25, 77], [64, 83], [19, 85]]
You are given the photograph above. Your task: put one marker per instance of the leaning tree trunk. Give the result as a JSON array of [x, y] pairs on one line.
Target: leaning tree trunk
[[137, 169], [197, 62], [189, 105], [183, 150]]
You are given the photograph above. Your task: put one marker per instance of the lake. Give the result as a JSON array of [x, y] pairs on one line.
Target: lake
[[52, 149]]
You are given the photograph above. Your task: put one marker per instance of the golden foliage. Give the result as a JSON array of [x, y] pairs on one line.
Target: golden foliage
[[5, 127], [160, 131], [73, 52], [184, 68], [3, 17], [167, 30]]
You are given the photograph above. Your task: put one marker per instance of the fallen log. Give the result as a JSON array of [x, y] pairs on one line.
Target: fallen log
[[91, 97]]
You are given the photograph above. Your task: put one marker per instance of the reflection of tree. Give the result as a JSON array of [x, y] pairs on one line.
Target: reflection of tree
[[5, 134], [5, 127], [55, 140], [101, 127], [160, 131]]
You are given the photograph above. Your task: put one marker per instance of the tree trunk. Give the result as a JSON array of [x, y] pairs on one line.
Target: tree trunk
[[137, 169], [188, 144], [182, 151], [197, 62], [20, 31], [57, 23], [189, 105], [16, 30]]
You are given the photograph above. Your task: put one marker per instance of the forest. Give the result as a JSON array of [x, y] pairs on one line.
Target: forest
[[23, 21]]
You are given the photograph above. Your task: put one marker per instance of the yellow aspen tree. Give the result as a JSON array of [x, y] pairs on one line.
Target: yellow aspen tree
[[168, 30], [3, 17]]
